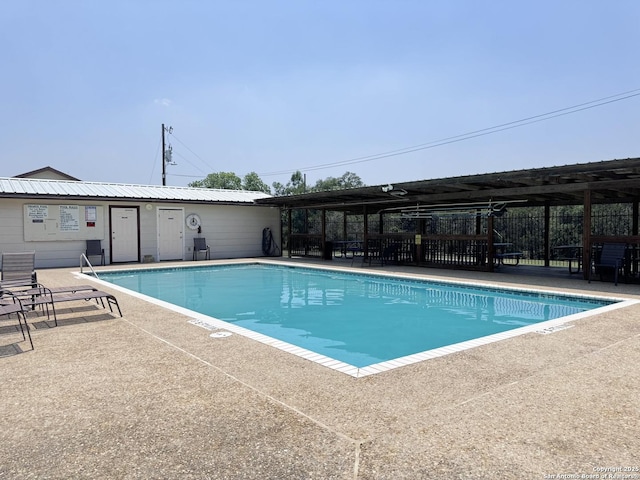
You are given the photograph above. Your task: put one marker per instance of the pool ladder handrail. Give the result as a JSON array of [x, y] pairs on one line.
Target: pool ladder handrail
[[84, 257]]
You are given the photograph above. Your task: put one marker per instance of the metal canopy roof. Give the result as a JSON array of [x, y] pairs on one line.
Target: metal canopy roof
[[609, 182], [63, 190]]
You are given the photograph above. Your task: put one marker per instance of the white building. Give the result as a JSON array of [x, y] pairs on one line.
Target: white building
[[135, 223]]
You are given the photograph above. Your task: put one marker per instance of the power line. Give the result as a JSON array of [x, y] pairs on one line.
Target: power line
[[178, 154], [183, 175], [194, 153], [175, 153], [153, 168], [469, 135]]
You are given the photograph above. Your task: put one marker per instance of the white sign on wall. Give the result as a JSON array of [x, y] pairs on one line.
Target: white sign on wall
[[37, 212], [63, 222], [90, 214], [69, 218]]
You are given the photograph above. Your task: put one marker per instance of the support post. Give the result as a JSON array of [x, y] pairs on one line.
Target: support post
[[344, 226], [547, 242], [290, 224], [586, 235], [634, 231], [490, 249], [365, 234], [421, 231], [323, 233]]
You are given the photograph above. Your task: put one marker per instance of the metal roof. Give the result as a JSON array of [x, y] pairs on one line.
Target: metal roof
[[612, 181], [63, 189], [47, 172]]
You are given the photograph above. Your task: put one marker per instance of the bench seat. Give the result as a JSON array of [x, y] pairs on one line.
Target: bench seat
[[509, 255]]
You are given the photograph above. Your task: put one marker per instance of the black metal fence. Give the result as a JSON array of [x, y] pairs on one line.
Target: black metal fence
[[458, 240]]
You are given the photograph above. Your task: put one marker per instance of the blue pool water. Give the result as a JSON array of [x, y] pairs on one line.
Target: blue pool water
[[358, 319]]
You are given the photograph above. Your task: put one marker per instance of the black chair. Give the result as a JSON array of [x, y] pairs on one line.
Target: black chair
[[10, 306], [94, 249], [391, 253], [199, 246], [611, 258]]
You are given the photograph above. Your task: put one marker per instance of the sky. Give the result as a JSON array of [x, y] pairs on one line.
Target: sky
[[392, 90]]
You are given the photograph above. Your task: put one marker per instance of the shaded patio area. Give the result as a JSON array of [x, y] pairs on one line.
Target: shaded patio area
[[561, 212], [150, 395]]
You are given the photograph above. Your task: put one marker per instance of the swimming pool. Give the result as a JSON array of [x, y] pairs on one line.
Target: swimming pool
[[354, 322]]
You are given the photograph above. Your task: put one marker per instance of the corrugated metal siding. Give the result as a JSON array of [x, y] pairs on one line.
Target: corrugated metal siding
[[62, 188]]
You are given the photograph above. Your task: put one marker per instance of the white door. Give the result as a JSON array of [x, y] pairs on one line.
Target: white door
[[170, 234], [124, 235]]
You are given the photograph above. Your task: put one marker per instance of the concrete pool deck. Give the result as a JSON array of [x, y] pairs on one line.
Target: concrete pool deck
[[150, 395]]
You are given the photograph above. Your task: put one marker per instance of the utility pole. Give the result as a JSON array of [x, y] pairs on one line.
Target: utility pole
[[164, 163], [165, 158]]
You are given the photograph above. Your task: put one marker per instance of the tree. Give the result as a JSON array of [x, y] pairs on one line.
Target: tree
[[310, 221], [223, 180], [254, 183], [295, 186], [348, 180]]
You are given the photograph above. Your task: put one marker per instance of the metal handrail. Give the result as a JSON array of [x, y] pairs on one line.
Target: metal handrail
[[83, 256]]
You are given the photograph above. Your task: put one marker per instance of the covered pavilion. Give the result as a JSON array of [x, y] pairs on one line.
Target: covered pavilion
[[483, 197]]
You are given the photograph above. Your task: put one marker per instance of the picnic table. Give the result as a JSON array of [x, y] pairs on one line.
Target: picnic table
[[343, 247], [501, 254], [570, 253]]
